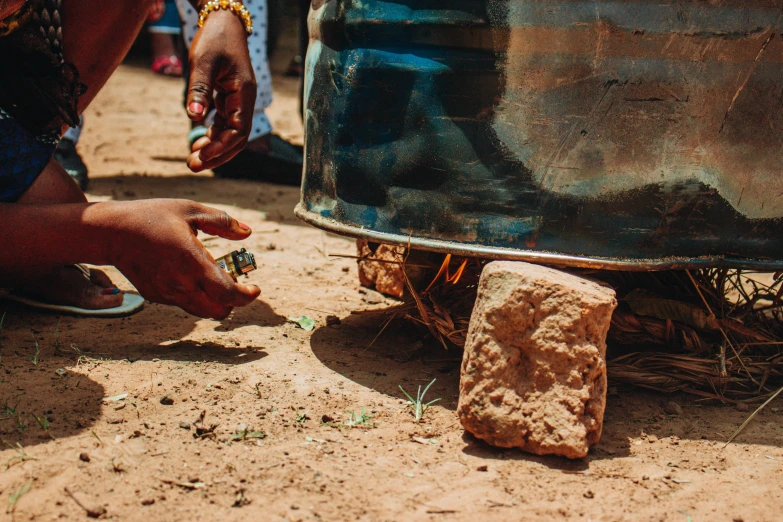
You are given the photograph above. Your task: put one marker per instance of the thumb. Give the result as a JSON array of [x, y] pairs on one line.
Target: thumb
[[218, 223], [245, 295], [200, 89]]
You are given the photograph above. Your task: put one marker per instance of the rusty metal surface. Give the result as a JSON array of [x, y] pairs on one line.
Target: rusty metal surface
[[623, 134]]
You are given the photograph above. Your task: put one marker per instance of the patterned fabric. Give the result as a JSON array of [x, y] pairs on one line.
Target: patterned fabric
[[38, 94], [22, 157], [37, 87], [16, 18]]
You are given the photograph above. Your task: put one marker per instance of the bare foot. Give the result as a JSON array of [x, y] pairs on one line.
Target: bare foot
[[70, 286]]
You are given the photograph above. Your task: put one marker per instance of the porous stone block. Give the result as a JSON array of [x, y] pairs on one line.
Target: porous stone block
[[380, 267], [534, 369]]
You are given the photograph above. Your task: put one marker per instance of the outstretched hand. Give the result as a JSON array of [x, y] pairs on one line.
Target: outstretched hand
[[221, 76], [158, 251]]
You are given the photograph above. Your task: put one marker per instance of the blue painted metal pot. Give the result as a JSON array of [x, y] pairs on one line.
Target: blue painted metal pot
[[617, 134]]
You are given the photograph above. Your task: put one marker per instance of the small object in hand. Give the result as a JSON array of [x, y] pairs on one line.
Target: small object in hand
[[238, 263]]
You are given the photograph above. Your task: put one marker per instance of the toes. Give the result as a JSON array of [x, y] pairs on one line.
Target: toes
[[69, 286], [96, 297], [97, 277]]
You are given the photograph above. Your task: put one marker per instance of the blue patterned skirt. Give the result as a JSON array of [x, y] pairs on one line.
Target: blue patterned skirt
[[22, 157]]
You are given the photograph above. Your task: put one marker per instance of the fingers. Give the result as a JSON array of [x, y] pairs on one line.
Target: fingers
[[221, 288], [184, 273], [216, 293], [218, 154], [200, 88], [220, 63], [189, 292], [236, 115], [225, 138], [215, 282], [218, 223], [223, 292]]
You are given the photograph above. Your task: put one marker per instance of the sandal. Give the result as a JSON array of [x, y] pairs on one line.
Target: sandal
[[168, 66], [195, 134], [131, 303], [280, 164]]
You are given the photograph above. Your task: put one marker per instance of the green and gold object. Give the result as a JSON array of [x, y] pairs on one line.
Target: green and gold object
[[238, 263]]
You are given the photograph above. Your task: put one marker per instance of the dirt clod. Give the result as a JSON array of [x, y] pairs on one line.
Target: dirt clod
[[204, 430], [167, 400], [672, 408], [84, 456], [534, 370], [742, 406], [240, 499], [380, 267]]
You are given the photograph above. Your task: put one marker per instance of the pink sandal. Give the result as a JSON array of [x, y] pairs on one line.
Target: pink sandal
[[168, 66]]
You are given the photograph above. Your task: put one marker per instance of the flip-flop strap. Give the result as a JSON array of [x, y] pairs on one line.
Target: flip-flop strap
[[196, 133], [84, 270]]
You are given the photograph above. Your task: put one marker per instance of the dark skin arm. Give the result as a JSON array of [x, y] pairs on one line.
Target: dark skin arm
[[153, 243], [220, 63]]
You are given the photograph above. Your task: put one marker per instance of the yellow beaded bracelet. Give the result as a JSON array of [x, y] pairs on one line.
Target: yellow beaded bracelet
[[229, 5]]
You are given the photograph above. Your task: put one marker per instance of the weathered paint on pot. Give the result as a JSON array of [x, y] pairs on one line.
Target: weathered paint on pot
[[617, 134]]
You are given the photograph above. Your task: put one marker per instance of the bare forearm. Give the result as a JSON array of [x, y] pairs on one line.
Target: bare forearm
[[37, 237]]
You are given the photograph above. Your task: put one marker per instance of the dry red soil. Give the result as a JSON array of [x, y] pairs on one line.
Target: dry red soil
[[140, 458]]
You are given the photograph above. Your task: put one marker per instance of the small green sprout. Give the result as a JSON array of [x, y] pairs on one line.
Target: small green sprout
[[418, 406]]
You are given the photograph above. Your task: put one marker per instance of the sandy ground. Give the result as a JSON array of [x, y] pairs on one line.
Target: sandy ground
[[255, 372]]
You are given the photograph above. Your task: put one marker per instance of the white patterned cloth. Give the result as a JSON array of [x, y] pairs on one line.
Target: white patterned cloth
[[256, 44]]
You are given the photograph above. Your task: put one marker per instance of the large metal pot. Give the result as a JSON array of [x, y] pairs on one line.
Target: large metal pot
[[618, 134]]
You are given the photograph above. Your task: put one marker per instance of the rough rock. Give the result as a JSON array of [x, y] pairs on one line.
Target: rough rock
[[376, 270], [672, 408], [534, 369]]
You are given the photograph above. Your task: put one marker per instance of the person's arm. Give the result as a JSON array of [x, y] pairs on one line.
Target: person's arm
[[220, 63], [152, 242], [28, 247]]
